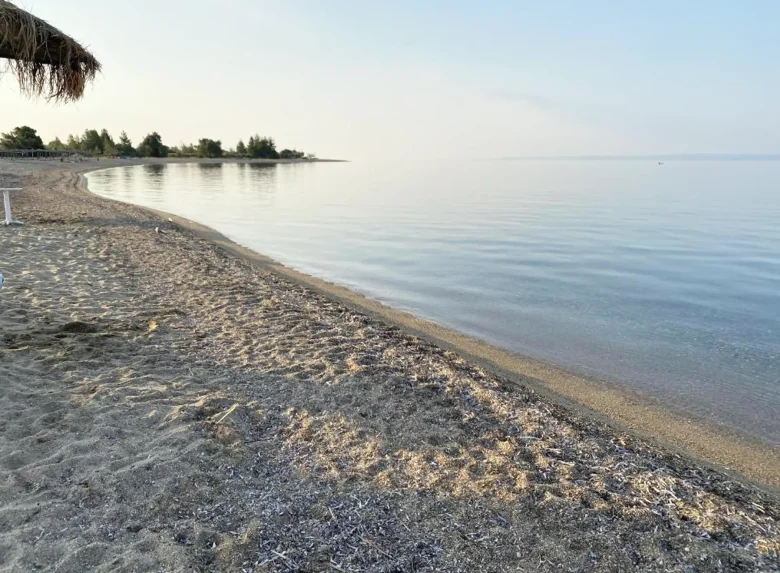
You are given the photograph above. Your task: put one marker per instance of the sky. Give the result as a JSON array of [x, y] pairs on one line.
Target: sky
[[439, 79]]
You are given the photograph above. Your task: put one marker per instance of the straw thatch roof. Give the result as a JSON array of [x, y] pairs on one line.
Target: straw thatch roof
[[46, 61]]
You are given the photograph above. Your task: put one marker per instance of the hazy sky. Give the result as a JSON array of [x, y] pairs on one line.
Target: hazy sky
[[442, 79]]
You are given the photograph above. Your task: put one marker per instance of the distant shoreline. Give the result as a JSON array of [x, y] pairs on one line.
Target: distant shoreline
[[130, 161], [669, 157], [153, 160]]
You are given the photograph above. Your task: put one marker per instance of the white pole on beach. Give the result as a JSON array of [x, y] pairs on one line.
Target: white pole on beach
[[9, 220]]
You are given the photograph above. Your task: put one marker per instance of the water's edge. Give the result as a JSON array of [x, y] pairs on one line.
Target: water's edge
[[718, 447]]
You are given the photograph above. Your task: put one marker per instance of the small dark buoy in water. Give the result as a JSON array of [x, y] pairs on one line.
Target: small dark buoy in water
[[659, 163]]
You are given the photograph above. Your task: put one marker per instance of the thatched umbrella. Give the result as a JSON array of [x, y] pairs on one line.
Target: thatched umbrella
[[46, 61]]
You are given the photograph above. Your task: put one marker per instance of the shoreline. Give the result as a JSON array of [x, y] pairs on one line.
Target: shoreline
[[172, 401], [723, 450], [720, 447]]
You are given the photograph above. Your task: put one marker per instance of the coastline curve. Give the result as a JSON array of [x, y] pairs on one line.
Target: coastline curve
[[710, 445]]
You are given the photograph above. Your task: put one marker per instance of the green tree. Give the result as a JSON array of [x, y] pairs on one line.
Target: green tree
[[22, 137], [125, 147], [55, 144], [264, 148], [91, 142], [74, 142], [209, 148], [152, 146], [108, 147], [291, 154], [240, 147], [188, 150]]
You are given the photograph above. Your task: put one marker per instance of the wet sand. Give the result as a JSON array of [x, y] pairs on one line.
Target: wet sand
[[173, 401]]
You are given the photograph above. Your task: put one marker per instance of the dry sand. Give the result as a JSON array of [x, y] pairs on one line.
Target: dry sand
[[168, 406]]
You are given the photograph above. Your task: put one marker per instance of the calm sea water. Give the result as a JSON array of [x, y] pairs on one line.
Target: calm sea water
[[665, 278]]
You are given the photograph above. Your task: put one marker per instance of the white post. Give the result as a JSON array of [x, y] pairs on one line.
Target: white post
[[7, 205], [9, 220]]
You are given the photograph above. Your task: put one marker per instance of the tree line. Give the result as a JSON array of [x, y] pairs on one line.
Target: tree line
[[102, 143]]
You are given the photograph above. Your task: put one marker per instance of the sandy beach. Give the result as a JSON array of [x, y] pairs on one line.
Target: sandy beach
[[171, 403]]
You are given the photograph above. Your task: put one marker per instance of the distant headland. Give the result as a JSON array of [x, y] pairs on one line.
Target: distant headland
[[661, 157], [102, 144]]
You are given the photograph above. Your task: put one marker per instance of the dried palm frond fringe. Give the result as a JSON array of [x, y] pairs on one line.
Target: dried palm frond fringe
[[45, 61]]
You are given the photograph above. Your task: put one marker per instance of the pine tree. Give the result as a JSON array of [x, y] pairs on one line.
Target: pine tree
[[125, 146]]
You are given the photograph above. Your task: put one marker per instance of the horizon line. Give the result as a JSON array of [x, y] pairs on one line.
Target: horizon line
[[653, 157]]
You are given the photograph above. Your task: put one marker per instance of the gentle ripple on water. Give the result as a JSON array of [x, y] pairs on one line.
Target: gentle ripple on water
[[663, 278]]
